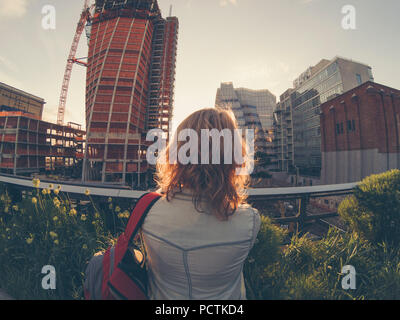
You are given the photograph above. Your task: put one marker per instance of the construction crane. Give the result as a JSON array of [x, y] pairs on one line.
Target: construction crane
[[83, 21]]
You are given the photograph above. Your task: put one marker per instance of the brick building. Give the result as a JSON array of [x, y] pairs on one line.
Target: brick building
[[318, 84], [360, 133]]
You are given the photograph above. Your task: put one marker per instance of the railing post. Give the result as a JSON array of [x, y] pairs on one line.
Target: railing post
[[303, 203]]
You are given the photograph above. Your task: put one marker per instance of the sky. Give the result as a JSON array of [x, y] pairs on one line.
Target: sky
[[257, 44]]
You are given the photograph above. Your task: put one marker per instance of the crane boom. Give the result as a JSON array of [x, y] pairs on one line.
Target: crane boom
[[70, 62]]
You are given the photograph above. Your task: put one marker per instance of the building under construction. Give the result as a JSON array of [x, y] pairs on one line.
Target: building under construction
[[30, 145], [129, 87]]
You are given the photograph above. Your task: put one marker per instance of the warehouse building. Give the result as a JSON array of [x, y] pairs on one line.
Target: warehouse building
[[360, 133]]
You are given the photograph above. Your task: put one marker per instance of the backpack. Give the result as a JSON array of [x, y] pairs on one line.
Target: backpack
[[120, 273]]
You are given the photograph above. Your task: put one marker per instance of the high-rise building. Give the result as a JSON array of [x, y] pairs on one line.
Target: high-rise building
[[283, 133], [317, 85], [360, 132], [129, 87], [253, 109]]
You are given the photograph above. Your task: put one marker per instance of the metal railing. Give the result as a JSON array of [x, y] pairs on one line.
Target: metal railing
[[303, 194]]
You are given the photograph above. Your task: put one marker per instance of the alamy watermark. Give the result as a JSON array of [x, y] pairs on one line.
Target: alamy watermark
[[349, 280], [49, 17], [349, 20], [188, 153], [49, 280]]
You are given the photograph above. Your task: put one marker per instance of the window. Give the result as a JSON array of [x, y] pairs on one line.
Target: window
[[348, 125], [351, 125], [359, 80]]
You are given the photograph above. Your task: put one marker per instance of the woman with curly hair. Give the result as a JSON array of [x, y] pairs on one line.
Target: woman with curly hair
[[199, 234]]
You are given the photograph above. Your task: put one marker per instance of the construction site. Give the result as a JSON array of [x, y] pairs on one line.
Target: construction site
[[129, 90], [30, 145]]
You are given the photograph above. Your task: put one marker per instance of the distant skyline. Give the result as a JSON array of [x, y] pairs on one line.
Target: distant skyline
[[257, 44]]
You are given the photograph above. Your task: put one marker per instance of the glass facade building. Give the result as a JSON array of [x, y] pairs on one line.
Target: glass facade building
[[253, 109], [315, 86], [283, 132]]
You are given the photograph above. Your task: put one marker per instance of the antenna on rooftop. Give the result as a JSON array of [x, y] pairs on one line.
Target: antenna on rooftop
[[170, 10]]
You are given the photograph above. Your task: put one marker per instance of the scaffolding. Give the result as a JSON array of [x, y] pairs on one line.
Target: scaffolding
[[30, 145]]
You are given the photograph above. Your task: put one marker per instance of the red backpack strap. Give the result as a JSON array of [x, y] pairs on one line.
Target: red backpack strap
[[119, 282], [114, 255], [135, 222], [140, 212]]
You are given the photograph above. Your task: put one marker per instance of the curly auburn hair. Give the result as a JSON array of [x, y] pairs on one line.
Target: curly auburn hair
[[217, 184]]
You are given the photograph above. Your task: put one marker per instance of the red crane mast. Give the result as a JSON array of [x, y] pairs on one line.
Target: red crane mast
[[85, 17]]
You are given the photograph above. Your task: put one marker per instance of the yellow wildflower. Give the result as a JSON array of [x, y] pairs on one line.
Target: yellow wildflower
[[44, 191], [36, 183], [84, 246], [83, 217], [87, 192], [30, 239], [72, 212], [56, 191], [109, 199], [56, 202], [15, 208], [55, 218], [34, 200], [56, 242], [53, 234], [51, 186], [117, 209], [124, 214]]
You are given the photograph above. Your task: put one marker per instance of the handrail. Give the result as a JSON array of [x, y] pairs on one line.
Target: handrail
[[121, 192], [303, 194]]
